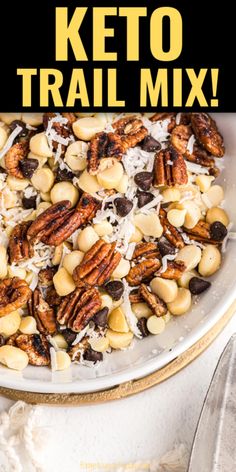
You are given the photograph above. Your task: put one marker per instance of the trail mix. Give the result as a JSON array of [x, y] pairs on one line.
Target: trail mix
[[109, 226]]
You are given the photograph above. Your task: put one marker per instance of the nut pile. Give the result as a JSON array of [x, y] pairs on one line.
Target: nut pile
[[110, 225]]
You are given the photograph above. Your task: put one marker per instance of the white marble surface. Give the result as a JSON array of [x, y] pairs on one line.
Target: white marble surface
[[142, 427]]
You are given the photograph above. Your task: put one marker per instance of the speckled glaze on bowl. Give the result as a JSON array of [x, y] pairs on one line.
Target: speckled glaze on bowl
[[154, 352]]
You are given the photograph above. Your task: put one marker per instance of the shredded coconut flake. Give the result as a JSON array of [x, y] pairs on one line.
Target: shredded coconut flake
[[196, 168], [165, 259], [178, 118], [190, 144], [130, 251], [53, 359], [10, 140], [130, 316]]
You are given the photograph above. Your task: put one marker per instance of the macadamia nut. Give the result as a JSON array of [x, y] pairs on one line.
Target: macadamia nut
[[63, 282], [63, 190], [182, 302], [87, 238], [39, 145], [13, 357], [210, 261]]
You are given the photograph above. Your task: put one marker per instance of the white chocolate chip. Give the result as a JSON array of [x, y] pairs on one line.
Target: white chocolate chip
[[210, 261], [104, 228], [182, 302], [17, 184], [171, 195], [63, 360], [155, 325], [176, 217], [166, 289], [215, 194], [204, 182], [99, 344], [190, 255]]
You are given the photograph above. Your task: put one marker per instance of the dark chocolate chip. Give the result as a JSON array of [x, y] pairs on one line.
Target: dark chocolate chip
[[16, 123], [29, 202], [144, 180], [144, 198], [2, 340], [150, 144], [115, 289], [197, 285], [218, 231], [100, 318], [28, 167], [93, 356], [64, 175], [166, 248], [142, 326], [68, 335], [123, 206]]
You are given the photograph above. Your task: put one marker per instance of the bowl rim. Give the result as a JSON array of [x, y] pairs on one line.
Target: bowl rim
[[132, 373]]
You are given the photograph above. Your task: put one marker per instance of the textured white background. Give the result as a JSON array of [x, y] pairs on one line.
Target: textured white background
[[142, 427]]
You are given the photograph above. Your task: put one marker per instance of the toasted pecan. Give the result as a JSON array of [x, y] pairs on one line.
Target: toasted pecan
[[36, 346], [169, 231], [97, 265], [170, 168], [42, 312], [129, 131], [78, 308], [58, 222], [155, 303], [174, 270], [142, 271], [179, 138], [201, 232], [14, 293], [16, 153], [19, 247], [147, 250], [207, 134]]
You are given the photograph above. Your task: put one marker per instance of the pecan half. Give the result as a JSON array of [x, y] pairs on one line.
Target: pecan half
[[146, 250], [170, 168], [78, 308], [14, 293], [142, 272], [19, 246], [169, 231], [201, 232], [129, 131], [57, 223], [16, 153], [165, 116], [36, 346], [97, 265], [174, 270], [155, 303], [42, 312], [207, 134], [179, 138]]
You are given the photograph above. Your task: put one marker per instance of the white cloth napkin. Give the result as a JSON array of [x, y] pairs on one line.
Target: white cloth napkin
[[23, 434]]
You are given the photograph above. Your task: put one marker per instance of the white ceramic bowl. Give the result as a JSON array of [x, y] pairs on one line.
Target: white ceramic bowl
[[154, 352]]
